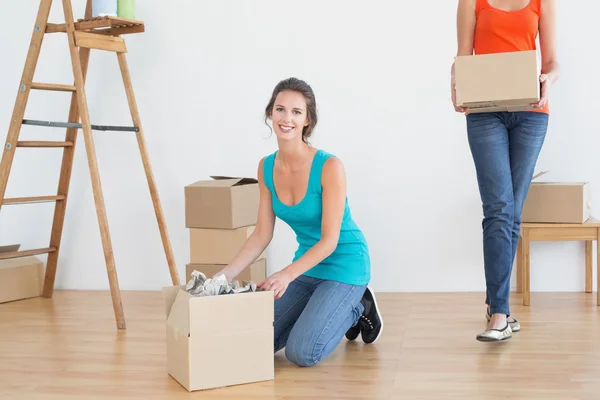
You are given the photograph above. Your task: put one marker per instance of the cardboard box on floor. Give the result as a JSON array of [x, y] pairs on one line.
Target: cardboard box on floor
[[223, 202], [256, 272], [218, 246], [497, 82], [556, 202], [218, 341], [20, 278]]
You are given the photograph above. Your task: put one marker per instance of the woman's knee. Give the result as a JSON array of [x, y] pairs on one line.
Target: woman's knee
[[500, 209], [302, 353]]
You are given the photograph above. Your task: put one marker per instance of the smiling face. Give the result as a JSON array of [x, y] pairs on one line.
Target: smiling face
[[289, 115], [292, 110]]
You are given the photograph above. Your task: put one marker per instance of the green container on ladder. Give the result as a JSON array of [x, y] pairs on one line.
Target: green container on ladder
[[126, 9]]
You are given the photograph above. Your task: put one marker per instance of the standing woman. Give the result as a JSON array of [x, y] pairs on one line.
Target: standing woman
[[505, 145]]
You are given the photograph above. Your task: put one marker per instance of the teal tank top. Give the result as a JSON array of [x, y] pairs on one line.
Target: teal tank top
[[350, 262]]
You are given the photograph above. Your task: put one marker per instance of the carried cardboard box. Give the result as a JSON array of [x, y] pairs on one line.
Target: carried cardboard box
[[218, 246], [223, 202], [20, 278], [498, 82], [218, 341], [256, 272], [556, 202]]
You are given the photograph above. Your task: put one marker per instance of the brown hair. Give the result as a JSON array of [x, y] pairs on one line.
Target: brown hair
[[297, 85]]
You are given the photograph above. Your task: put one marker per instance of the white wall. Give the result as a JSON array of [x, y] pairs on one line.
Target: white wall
[[203, 73]]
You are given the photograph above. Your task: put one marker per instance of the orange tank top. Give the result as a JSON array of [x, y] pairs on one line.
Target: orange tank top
[[499, 31]]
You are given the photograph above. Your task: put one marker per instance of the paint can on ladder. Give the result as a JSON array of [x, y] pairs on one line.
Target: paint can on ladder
[[126, 9], [103, 8]]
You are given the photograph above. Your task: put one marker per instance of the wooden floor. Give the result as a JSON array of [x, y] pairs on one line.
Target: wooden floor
[[68, 347]]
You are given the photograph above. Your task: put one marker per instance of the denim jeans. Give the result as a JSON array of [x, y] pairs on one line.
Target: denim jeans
[[312, 317], [505, 147]]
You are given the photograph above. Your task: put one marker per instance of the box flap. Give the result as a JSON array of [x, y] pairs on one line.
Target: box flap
[[10, 248], [238, 181], [224, 181], [539, 174], [179, 316], [563, 183], [169, 294]]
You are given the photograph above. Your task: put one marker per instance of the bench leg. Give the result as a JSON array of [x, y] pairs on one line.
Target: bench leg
[[588, 266], [520, 266], [525, 267]]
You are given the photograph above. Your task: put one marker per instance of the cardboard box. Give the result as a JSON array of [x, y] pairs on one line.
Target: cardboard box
[[556, 202], [256, 272], [20, 278], [218, 341], [218, 246], [498, 82], [223, 202]]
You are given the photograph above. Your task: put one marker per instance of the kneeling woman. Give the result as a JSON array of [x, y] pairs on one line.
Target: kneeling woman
[[323, 293]]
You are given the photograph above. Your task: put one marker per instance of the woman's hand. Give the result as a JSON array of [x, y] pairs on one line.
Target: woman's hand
[[278, 283], [466, 20], [546, 85], [227, 272], [453, 90]]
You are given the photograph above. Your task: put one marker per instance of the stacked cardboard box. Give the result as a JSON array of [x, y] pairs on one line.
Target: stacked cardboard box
[[225, 340], [221, 213]]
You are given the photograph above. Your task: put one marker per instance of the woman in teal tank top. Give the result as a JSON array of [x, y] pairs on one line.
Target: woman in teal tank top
[[322, 294]]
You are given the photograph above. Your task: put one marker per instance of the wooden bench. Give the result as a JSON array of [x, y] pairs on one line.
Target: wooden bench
[[588, 232]]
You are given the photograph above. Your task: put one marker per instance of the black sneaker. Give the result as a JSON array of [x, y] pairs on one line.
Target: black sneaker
[[353, 332], [370, 323]]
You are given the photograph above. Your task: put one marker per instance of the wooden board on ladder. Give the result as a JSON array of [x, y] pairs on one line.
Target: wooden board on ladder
[[83, 35]]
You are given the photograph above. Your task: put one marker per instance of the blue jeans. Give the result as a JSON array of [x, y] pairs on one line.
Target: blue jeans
[[505, 147], [312, 317]]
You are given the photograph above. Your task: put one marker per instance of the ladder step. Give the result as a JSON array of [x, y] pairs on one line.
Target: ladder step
[[37, 199], [53, 87], [78, 125], [100, 42], [44, 144], [104, 25], [26, 253]]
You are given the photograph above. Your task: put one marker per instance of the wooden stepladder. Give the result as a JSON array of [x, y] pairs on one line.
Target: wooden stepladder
[[90, 33]]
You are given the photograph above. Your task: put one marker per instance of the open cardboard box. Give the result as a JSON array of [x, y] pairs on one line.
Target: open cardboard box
[[498, 82], [218, 341], [20, 278], [556, 202], [223, 202]]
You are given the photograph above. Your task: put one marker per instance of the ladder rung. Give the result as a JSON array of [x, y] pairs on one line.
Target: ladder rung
[[37, 199], [78, 125], [53, 87], [100, 42], [26, 253], [55, 28], [44, 144]]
